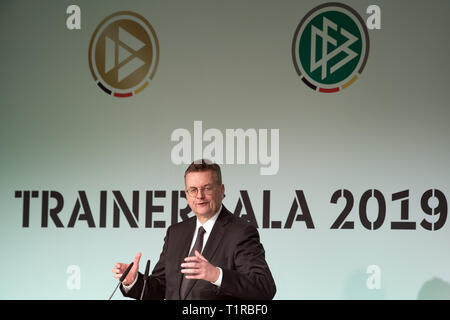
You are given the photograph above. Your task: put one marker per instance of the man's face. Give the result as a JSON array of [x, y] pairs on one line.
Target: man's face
[[209, 194]]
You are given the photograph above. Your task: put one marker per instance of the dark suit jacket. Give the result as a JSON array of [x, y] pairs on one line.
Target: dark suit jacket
[[233, 245]]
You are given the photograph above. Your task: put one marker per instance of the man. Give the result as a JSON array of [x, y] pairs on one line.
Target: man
[[214, 255]]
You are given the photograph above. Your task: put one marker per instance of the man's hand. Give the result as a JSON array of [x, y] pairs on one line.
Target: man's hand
[[121, 267], [197, 267]]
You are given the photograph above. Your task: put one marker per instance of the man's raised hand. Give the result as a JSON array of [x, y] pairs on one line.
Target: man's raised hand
[[119, 269]]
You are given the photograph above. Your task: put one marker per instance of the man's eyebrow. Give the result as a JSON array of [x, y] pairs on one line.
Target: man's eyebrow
[[204, 186]]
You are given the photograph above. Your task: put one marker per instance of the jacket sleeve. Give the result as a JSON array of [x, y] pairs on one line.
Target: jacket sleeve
[[251, 278]]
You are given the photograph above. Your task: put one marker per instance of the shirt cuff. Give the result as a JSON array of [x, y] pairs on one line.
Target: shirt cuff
[[219, 280], [127, 288]]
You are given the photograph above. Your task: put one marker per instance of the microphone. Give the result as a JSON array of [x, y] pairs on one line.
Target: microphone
[[124, 275], [147, 268]]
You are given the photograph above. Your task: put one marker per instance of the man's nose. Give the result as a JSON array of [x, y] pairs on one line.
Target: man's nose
[[201, 193]]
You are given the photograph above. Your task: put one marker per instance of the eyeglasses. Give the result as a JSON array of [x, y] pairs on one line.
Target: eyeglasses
[[207, 190]]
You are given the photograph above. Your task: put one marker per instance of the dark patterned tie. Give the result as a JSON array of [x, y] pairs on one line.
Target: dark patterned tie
[[198, 245]]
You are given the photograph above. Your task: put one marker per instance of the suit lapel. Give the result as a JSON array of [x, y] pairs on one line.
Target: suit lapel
[[185, 242], [217, 233]]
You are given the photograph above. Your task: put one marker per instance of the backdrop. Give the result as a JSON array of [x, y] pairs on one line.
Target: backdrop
[[353, 201]]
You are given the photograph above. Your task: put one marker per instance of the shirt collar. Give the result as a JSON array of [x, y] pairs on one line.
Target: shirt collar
[[208, 225]]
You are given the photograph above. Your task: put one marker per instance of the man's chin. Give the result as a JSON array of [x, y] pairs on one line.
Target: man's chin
[[204, 211]]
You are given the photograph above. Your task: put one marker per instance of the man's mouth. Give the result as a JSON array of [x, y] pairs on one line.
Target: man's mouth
[[202, 204]]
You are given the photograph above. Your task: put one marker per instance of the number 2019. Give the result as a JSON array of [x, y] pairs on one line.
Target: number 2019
[[440, 210]]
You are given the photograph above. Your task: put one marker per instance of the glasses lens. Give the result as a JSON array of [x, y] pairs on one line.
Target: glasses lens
[[208, 190]]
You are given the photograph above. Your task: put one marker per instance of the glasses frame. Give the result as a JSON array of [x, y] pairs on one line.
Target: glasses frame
[[193, 191]]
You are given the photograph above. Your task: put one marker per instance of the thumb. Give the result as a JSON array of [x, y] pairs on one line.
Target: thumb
[[137, 258], [199, 255], [134, 270]]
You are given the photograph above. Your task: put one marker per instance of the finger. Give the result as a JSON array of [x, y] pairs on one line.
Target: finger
[[189, 265], [118, 275], [119, 266], [193, 258], [199, 255], [193, 271]]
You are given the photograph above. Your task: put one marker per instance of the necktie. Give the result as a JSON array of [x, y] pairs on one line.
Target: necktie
[[198, 245]]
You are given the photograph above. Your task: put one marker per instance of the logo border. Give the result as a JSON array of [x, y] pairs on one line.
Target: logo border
[[156, 55], [294, 41]]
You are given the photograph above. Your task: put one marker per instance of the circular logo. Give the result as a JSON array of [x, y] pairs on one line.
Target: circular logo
[[330, 47], [123, 54]]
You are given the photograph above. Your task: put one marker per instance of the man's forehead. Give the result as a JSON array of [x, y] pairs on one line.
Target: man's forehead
[[202, 177]]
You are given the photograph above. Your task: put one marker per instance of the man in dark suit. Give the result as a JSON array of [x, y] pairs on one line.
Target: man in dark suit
[[214, 255]]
